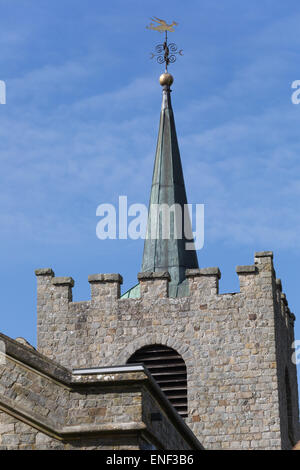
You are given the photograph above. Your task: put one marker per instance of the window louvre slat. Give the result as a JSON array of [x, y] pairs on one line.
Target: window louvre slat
[[168, 370]]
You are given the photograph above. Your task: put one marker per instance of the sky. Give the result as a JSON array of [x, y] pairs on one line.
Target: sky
[[80, 123]]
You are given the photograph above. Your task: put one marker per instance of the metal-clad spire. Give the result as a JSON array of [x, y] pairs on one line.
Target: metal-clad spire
[[168, 254], [167, 251]]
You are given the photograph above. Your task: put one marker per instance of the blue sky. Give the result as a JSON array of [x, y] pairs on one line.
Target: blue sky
[[80, 125]]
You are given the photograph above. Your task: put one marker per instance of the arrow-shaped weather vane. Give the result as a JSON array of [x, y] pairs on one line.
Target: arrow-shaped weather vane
[[164, 53]]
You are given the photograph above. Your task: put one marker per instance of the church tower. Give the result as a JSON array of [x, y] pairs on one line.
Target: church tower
[[223, 360]]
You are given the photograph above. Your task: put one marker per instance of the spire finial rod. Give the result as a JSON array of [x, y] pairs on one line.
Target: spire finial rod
[[164, 53]]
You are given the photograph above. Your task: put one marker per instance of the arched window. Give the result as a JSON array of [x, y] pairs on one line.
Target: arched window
[[289, 407], [169, 370]]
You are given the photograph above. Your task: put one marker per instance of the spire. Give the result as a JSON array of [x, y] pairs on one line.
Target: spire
[[169, 253]]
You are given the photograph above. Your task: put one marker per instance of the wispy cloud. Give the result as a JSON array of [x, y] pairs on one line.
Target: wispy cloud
[[84, 148]]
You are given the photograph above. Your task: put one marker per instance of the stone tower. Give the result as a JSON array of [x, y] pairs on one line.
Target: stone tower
[[229, 354]]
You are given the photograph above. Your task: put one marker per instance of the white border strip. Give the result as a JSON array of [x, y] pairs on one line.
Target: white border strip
[[108, 370]]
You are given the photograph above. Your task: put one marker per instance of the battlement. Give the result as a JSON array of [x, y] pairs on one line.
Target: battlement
[[256, 279], [59, 289], [58, 314]]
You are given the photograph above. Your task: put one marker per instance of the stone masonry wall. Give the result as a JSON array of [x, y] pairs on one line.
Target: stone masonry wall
[[236, 346], [17, 435], [44, 406], [286, 369]]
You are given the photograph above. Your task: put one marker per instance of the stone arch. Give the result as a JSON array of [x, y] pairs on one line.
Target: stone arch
[[168, 369], [147, 340], [186, 351]]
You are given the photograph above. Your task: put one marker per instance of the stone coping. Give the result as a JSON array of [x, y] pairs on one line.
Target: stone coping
[[203, 272], [69, 281], [35, 360], [63, 281], [263, 254], [44, 272], [152, 276], [246, 269], [101, 278]]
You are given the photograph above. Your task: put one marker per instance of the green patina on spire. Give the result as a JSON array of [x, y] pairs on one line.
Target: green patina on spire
[[168, 188], [167, 254]]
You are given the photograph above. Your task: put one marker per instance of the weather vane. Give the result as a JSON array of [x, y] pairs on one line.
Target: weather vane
[[164, 53]]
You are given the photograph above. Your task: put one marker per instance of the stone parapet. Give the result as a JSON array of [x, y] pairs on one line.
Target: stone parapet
[[263, 254], [203, 284], [105, 287], [246, 269], [203, 272], [154, 284], [44, 272], [152, 276], [63, 281], [103, 278]]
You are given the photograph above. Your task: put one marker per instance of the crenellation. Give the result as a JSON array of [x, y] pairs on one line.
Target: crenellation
[[252, 269], [62, 293], [264, 262], [284, 299], [44, 272], [292, 318], [105, 288], [63, 281], [278, 284], [203, 284], [284, 309], [248, 280], [264, 254], [154, 284], [44, 284], [204, 280]]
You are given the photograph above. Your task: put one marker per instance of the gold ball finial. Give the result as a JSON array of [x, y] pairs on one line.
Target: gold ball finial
[[166, 79]]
